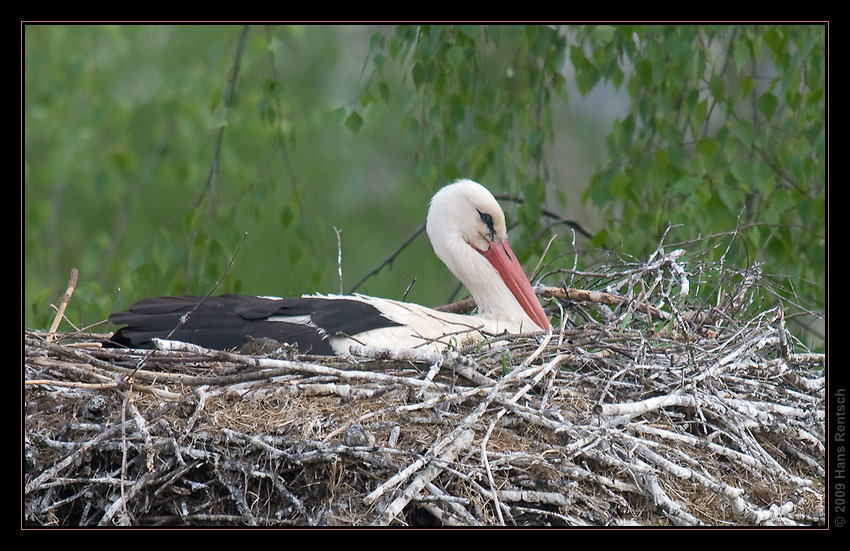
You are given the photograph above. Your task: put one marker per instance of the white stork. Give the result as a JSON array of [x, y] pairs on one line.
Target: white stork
[[467, 229]]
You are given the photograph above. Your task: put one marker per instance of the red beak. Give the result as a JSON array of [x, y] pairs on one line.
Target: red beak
[[502, 258]]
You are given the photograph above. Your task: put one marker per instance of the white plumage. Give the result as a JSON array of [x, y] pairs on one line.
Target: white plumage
[[461, 237]]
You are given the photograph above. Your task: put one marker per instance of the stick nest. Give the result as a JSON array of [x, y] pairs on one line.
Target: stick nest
[[712, 416]]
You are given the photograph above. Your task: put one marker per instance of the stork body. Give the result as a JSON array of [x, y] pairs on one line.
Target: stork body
[[467, 229]]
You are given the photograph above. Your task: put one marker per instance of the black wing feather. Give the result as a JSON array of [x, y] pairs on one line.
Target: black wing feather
[[230, 321]]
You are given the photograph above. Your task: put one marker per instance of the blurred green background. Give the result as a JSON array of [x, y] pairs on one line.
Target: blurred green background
[[149, 151]]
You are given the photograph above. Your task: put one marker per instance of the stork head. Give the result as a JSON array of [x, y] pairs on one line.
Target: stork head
[[467, 229]]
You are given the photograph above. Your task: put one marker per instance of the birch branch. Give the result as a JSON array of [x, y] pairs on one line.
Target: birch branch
[[60, 313], [450, 453]]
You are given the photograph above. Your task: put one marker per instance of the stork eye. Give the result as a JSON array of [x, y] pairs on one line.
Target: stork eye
[[488, 221]]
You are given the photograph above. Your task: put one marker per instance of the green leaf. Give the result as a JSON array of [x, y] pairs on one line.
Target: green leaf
[[747, 85], [767, 104], [644, 71], [367, 99], [717, 87], [746, 132], [600, 239], [354, 122], [771, 215], [744, 172], [686, 185], [586, 74], [418, 73], [732, 198], [741, 54], [708, 149], [125, 161], [619, 185], [482, 124], [455, 57], [693, 202], [603, 33], [775, 41], [287, 215]]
